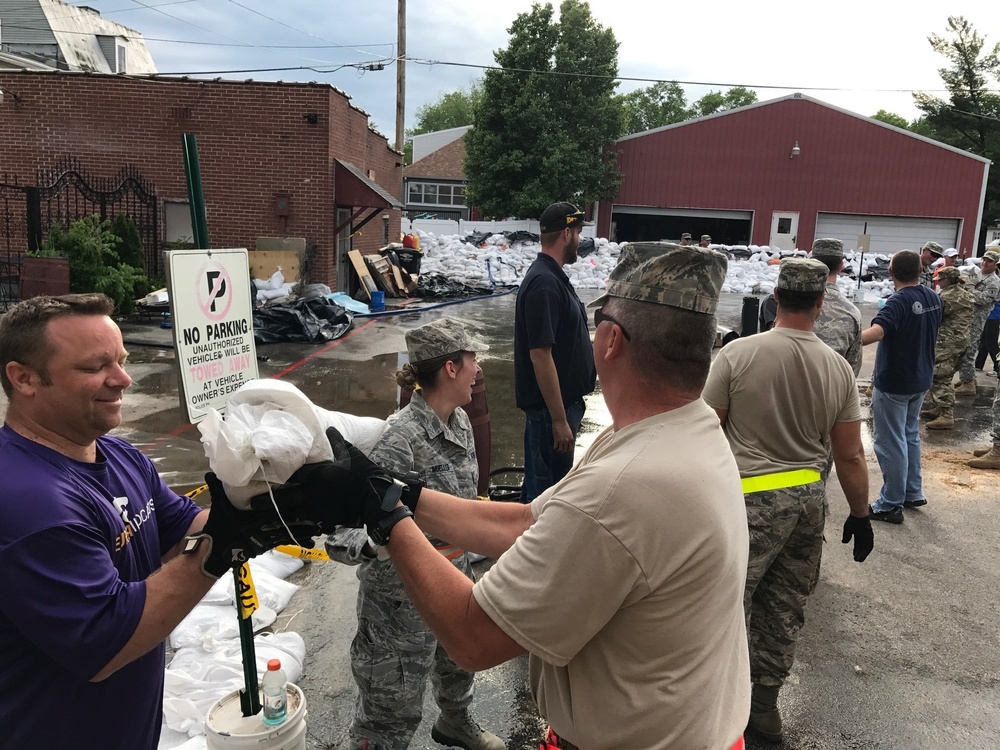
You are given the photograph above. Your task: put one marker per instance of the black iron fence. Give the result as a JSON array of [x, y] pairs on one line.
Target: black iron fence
[[64, 194]]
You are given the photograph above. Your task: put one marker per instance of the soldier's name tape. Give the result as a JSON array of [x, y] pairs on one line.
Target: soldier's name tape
[[779, 480]]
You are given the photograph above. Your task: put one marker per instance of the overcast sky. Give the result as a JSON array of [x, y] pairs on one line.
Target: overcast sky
[[868, 55]]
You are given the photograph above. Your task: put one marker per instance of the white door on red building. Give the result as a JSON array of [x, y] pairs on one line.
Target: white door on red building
[[784, 229]]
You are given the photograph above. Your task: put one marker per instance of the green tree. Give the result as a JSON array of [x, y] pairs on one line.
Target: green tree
[[540, 131], [716, 101], [655, 106], [452, 110], [664, 103], [970, 118], [891, 118]]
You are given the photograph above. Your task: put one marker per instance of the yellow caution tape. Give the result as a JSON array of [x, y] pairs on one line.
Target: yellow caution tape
[[196, 491], [780, 480], [305, 553], [246, 594]]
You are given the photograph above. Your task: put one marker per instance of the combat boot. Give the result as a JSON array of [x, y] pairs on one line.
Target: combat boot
[[990, 460], [966, 389], [982, 451], [461, 730], [929, 412], [945, 420], [765, 719]]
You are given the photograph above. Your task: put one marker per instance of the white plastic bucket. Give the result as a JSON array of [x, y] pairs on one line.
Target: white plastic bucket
[[226, 728]]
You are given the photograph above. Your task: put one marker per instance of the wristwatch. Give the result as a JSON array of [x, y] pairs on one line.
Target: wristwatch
[[379, 533], [413, 485], [192, 542]]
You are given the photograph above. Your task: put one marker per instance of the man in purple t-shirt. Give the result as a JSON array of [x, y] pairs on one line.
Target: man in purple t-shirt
[[904, 369], [91, 539]]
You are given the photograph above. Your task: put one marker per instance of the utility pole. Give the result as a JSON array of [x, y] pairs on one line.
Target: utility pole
[[400, 73]]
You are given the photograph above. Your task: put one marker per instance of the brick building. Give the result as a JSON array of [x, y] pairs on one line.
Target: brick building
[[277, 159]]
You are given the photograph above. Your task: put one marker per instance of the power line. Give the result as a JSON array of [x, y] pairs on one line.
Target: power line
[[293, 28], [210, 44], [599, 76], [225, 36]]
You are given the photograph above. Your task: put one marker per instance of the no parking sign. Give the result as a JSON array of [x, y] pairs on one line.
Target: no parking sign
[[211, 308]]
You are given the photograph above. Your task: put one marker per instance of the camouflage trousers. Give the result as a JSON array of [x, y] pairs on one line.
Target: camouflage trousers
[[786, 545], [946, 364], [392, 655], [967, 365]]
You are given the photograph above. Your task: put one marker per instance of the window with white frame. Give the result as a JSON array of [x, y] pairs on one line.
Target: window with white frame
[[436, 194]]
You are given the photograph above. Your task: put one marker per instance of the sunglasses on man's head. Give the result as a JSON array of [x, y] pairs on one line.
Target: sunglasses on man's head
[[600, 316]]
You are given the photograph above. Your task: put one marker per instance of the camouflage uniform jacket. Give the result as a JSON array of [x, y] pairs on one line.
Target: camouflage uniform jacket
[[443, 455], [987, 293], [957, 305], [839, 326], [927, 276]]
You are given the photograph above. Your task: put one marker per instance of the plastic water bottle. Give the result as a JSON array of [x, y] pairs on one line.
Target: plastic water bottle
[[275, 692]]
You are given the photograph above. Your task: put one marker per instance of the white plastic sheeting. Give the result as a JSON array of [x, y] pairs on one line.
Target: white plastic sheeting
[[207, 664]]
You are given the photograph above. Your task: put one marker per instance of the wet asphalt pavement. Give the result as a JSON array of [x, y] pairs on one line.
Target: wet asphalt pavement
[[898, 653]]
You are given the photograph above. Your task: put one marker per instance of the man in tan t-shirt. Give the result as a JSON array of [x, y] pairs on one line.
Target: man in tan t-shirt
[[624, 582], [780, 396]]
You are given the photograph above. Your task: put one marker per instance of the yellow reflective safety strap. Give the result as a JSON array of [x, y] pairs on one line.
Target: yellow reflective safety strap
[[780, 480], [246, 596], [305, 553]]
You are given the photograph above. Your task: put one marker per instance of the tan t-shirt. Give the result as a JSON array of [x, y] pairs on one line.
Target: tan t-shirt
[[628, 590], [784, 390]]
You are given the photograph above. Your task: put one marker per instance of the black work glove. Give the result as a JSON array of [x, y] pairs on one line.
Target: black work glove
[[237, 535], [864, 538], [348, 491]]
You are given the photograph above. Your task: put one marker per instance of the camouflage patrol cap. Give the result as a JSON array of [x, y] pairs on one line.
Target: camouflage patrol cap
[[950, 273], [802, 275], [636, 253], [827, 247], [993, 255], [934, 249], [682, 276], [440, 338]]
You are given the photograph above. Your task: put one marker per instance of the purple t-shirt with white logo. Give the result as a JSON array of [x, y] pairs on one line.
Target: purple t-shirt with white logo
[[77, 541]]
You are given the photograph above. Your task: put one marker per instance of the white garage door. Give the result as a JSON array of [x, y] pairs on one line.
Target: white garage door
[[888, 233]]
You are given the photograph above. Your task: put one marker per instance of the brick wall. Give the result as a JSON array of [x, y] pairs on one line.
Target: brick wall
[[254, 142]]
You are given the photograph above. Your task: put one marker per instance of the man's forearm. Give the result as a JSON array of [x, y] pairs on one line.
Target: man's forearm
[[548, 383], [443, 596], [171, 593], [484, 527], [872, 334], [853, 475]]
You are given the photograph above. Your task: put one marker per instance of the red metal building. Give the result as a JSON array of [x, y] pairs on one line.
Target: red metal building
[[786, 171]]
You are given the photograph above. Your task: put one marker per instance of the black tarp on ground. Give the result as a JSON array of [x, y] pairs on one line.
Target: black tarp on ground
[[435, 285], [313, 320]]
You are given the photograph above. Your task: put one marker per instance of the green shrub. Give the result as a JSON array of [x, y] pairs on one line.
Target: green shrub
[[94, 263]]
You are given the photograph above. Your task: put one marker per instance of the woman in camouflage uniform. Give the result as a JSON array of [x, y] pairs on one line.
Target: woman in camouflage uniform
[[394, 650]]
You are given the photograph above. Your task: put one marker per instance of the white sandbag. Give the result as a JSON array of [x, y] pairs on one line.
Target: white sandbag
[[362, 432], [197, 678], [263, 295], [208, 625], [278, 564], [271, 429], [171, 739]]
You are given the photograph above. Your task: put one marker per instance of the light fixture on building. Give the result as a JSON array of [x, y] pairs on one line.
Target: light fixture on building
[[11, 94], [795, 151]]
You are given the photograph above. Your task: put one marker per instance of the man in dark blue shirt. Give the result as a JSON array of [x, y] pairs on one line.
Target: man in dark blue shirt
[[553, 356], [907, 328]]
